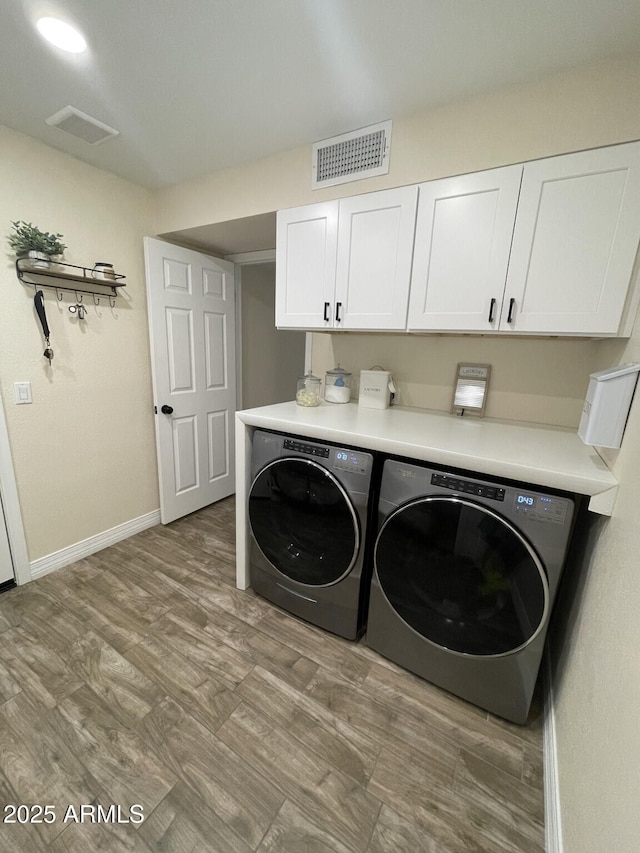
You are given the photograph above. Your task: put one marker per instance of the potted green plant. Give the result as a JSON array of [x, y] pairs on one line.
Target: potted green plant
[[28, 241]]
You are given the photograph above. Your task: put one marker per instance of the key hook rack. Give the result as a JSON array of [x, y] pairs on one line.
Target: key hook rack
[[76, 276]]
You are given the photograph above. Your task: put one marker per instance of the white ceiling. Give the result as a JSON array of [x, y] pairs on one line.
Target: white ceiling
[[199, 85]]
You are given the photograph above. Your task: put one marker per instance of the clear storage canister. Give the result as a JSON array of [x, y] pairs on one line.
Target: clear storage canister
[[308, 393], [337, 385]]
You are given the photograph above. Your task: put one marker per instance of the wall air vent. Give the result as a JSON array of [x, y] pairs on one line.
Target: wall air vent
[[81, 126], [352, 156]]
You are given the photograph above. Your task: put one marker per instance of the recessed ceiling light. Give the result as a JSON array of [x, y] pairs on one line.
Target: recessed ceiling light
[[61, 35]]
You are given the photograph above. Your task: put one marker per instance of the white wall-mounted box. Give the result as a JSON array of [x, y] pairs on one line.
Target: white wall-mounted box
[[607, 405]]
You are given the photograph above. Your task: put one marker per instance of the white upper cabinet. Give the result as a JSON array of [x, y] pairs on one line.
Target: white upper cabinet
[[306, 245], [461, 254], [541, 248], [375, 244], [346, 264], [575, 243]]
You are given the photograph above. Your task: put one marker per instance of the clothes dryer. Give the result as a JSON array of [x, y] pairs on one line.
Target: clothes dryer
[[308, 518], [465, 575]]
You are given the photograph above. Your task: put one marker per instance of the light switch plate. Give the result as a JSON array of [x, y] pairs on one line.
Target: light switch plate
[[22, 392], [470, 389]]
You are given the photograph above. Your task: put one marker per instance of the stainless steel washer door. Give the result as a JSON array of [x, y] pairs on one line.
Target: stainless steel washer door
[[462, 576], [304, 522]]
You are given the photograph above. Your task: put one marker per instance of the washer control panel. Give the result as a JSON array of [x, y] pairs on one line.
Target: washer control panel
[[309, 449], [468, 487], [351, 461]]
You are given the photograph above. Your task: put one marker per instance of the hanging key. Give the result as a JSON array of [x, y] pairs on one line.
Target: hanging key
[[38, 301]]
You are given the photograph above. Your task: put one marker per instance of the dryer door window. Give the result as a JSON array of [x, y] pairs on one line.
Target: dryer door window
[[304, 522], [462, 576]]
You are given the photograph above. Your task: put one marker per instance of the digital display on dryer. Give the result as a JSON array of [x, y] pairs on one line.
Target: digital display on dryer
[[527, 500], [542, 507]]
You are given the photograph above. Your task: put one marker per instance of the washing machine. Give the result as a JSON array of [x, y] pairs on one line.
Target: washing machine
[[465, 573], [308, 513]]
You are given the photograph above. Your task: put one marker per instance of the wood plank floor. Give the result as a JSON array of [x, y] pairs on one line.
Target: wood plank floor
[[141, 675]]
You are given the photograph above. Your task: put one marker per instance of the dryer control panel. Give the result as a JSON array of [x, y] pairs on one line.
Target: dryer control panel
[[541, 507], [534, 506]]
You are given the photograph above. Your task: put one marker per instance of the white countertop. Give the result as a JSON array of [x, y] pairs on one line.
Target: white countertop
[[542, 455]]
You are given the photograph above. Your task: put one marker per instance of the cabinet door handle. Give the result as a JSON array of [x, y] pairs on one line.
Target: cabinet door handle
[[326, 311], [492, 306], [512, 305], [338, 307]]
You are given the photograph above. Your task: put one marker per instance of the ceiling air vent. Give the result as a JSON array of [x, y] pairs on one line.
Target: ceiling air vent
[[352, 156], [81, 125]]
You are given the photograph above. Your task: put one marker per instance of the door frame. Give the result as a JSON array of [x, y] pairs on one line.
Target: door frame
[[241, 259], [11, 506]]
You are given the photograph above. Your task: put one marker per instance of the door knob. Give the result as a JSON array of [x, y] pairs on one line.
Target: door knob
[[167, 410]]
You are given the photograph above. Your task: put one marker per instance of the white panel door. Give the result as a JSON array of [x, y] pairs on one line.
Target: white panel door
[[575, 243], [461, 253], [191, 301], [306, 266], [375, 247], [6, 562]]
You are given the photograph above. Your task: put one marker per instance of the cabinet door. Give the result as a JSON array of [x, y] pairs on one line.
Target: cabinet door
[[575, 243], [306, 241], [375, 243], [463, 237]]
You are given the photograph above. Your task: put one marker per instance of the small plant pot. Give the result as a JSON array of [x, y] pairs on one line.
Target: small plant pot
[[38, 260]]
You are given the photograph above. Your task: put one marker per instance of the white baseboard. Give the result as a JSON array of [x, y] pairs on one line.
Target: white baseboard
[[552, 817], [89, 546]]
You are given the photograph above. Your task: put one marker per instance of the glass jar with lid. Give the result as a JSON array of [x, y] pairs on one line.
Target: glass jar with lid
[[308, 393], [337, 385]]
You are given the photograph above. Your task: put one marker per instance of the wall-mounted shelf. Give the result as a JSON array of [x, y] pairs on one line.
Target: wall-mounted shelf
[[70, 277]]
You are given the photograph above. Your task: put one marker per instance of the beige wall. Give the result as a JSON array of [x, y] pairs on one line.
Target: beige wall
[[598, 684], [597, 671], [538, 380], [83, 451], [579, 109]]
